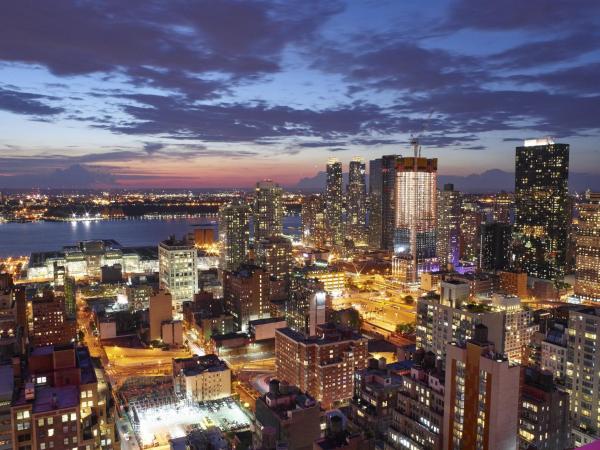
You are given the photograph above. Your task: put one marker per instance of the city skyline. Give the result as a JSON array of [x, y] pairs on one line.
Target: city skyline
[[161, 95]]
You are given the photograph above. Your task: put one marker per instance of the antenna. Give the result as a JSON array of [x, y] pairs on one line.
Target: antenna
[[414, 140]]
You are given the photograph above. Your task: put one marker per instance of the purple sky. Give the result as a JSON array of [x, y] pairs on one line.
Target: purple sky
[[211, 93]]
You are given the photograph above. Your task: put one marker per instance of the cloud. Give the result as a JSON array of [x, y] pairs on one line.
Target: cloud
[[76, 176], [26, 103], [320, 144]]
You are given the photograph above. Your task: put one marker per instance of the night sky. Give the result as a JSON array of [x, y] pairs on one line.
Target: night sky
[[142, 93]]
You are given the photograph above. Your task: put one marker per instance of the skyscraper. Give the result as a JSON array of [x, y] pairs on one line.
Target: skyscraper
[[274, 254], [357, 201], [583, 377], [234, 234], [334, 202], [388, 200], [471, 219], [268, 210], [415, 209], [375, 184], [178, 270], [494, 250], [587, 263], [314, 230], [541, 208], [448, 226], [246, 294]]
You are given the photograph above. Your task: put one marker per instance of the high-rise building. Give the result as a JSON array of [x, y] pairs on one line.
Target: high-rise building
[[417, 420], [541, 208], [234, 235], [6, 396], [481, 404], [471, 219], [178, 271], [322, 365], [543, 413], [314, 228], [160, 309], [452, 318], [375, 219], [246, 294], [513, 283], [388, 201], [51, 326], [587, 264], [583, 377], [268, 210], [274, 254], [334, 197], [375, 395], [416, 211], [305, 307], [356, 195], [286, 418], [448, 226], [62, 405], [494, 250]]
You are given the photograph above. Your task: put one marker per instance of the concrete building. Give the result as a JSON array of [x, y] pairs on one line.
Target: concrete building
[[286, 418], [542, 212], [451, 319], [513, 283], [171, 333], [61, 404], [471, 218], [448, 226], [51, 326], [375, 395], [334, 281], [246, 294], [305, 308], [583, 378], [234, 235], [543, 413], [314, 228], [178, 270], [322, 365], [202, 378], [553, 358], [417, 421], [587, 263], [416, 213], [481, 401], [160, 310], [268, 210], [274, 254]]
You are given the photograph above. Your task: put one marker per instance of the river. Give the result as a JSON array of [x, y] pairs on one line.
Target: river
[[21, 239]]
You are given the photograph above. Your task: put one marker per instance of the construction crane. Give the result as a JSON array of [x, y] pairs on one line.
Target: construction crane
[[414, 140]]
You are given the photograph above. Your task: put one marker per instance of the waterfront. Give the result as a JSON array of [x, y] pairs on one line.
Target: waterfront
[[21, 239]]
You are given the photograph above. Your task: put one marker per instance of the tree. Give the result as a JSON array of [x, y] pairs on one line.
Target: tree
[[409, 300], [405, 328]]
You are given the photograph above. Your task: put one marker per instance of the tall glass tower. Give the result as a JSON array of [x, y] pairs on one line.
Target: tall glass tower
[[234, 235], [334, 202], [448, 226], [268, 210], [541, 208], [357, 201], [416, 210]]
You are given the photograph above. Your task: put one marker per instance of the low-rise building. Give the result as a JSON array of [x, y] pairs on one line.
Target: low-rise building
[[202, 378]]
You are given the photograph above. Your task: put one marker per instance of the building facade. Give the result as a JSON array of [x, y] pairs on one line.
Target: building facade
[[314, 228], [415, 214], [334, 202], [587, 250], [268, 210], [356, 194], [234, 235], [178, 270], [494, 250], [374, 203], [448, 226], [246, 294], [541, 208]]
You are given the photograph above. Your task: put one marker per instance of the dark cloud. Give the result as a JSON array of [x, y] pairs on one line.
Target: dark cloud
[[26, 103], [320, 144], [374, 141], [519, 14], [153, 147], [76, 176], [157, 43], [474, 147], [337, 149], [582, 79]]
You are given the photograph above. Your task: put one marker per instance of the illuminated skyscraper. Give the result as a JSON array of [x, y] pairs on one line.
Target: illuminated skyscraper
[[541, 208], [334, 202], [388, 200], [268, 210], [416, 208], [234, 235], [587, 265], [314, 231], [274, 254], [448, 226], [375, 184], [471, 218], [357, 201], [178, 270]]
